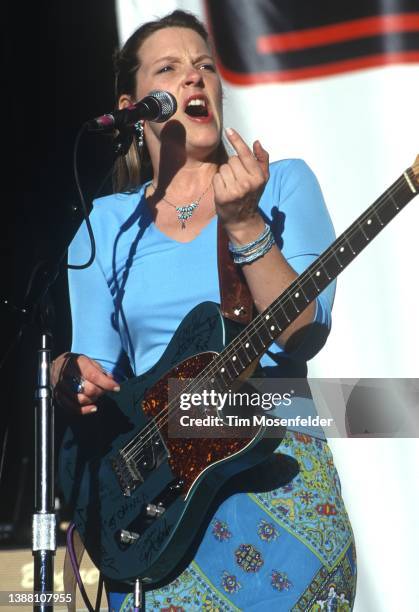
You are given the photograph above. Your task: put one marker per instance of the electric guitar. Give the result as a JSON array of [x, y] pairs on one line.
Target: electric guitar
[[139, 496]]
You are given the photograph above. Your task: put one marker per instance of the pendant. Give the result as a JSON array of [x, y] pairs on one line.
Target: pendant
[[184, 213]]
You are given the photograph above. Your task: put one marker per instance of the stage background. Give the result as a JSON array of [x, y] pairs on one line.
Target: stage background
[[358, 130]]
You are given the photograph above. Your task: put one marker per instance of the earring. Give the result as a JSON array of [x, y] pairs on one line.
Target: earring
[[139, 135]]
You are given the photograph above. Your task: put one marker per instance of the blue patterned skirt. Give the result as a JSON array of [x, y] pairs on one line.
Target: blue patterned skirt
[[288, 549]]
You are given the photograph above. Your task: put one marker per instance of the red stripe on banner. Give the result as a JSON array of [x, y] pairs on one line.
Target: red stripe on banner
[[340, 32], [322, 70]]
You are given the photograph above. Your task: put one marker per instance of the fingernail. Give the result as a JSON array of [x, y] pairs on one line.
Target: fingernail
[[93, 409], [230, 131], [117, 388]]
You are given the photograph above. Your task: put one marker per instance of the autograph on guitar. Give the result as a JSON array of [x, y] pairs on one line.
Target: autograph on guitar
[[139, 496]]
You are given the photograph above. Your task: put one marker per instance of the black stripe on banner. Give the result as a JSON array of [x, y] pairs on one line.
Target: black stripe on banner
[[268, 40]]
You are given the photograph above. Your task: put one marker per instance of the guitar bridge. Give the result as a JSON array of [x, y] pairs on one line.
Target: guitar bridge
[[132, 469], [126, 472]]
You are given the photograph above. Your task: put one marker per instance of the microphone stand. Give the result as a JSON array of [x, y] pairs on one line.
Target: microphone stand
[[44, 541], [44, 524], [37, 312]]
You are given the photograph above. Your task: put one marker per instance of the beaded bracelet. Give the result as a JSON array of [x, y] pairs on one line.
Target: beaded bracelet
[[258, 248], [243, 249]]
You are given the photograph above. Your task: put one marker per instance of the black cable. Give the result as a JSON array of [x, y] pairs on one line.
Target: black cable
[[118, 151], [99, 593], [83, 205]]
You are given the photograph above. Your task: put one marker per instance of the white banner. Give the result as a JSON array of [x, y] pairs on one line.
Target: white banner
[[358, 131]]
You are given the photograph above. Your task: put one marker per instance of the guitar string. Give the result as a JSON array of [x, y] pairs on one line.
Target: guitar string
[[132, 449], [166, 413]]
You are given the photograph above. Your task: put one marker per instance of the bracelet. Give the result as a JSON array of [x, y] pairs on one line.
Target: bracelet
[[243, 249], [259, 252], [254, 250]]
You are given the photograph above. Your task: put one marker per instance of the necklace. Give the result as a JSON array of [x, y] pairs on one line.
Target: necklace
[[185, 212]]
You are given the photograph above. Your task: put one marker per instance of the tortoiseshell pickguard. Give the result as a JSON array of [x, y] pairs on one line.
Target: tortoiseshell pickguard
[[189, 456]]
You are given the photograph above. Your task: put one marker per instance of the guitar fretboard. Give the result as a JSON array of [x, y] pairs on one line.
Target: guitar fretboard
[[253, 341]]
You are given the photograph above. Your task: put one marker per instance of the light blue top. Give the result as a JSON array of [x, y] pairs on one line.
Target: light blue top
[[142, 283]]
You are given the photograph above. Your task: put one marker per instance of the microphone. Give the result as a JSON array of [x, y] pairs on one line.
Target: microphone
[[158, 106]]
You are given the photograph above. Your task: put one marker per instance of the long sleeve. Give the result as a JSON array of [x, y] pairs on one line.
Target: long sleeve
[[303, 230]]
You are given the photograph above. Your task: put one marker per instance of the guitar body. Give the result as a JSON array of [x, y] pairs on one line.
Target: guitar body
[[139, 500]]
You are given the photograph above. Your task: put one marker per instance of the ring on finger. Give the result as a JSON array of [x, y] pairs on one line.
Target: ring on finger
[[77, 384]]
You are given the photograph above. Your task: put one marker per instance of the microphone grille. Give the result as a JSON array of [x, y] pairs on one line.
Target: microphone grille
[[167, 103]]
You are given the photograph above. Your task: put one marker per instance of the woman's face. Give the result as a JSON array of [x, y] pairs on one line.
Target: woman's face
[[179, 61]]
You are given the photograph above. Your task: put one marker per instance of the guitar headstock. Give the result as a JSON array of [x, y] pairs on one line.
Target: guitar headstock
[[415, 171]]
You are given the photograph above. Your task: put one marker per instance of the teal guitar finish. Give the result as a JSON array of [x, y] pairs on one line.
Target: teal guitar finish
[[105, 514]]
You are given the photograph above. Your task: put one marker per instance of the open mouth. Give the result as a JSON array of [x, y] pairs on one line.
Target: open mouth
[[197, 107]]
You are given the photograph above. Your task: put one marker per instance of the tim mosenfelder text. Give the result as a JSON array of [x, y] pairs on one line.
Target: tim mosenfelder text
[[257, 420]]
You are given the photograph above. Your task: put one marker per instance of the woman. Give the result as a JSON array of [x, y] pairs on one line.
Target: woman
[[287, 548]]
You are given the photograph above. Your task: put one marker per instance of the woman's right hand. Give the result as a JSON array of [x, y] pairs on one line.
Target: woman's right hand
[[70, 370]]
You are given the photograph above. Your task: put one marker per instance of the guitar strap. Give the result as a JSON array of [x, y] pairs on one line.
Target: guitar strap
[[236, 299]]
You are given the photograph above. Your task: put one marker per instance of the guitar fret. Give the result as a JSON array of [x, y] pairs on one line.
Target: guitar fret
[[345, 255], [230, 369], [244, 358], [373, 225], [378, 217], [362, 230], [300, 288], [309, 287], [315, 284], [317, 275], [274, 329], [236, 359], [293, 298], [349, 245], [247, 346], [397, 207], [256, 336], [358, 241], [233, 362], [224, 375], [326, 271], [285, 313], [265, 331], [338, 260]]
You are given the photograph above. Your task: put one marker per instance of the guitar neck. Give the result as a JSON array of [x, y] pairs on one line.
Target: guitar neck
[[253, 341]]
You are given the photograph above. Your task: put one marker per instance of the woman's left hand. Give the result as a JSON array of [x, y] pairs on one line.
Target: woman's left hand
[[239, 184]]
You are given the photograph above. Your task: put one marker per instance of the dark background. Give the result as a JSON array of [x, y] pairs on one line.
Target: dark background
[[57, 64]]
